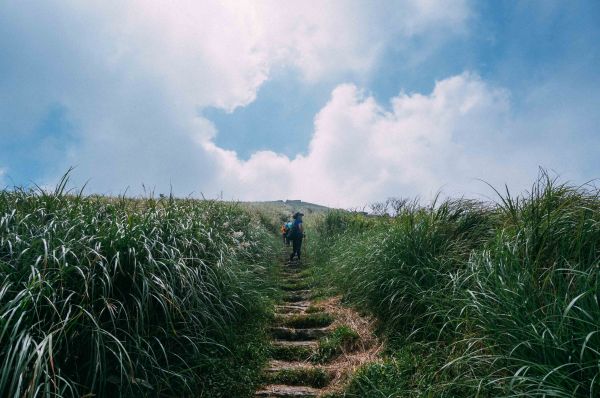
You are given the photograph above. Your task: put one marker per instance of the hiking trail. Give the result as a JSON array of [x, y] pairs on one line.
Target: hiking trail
[[311, 352]]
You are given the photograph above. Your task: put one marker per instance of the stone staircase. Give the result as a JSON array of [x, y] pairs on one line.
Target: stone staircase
[[295, 333]]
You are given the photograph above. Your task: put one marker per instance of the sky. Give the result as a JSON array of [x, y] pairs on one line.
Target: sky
[[341, 103]]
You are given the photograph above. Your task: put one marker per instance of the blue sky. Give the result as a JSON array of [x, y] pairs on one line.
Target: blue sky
[[341, 104], [280, 119]]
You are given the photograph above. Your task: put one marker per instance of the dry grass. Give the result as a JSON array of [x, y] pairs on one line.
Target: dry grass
[[366, 350]]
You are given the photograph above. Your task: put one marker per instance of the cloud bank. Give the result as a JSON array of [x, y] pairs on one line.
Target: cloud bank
[[362, 151], [131, 79]]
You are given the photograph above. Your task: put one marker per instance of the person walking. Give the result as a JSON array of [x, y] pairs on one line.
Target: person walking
[[284, 231], [296, 235]]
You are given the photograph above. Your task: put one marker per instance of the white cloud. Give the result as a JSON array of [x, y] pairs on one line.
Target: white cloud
[[132, 75], [217, 53], [363, 152]]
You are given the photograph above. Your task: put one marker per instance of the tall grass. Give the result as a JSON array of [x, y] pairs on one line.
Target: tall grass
[[120, 297], [535, 291], [497, 299]]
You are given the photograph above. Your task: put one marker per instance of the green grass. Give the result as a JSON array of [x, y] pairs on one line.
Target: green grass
[[294, 285], [313, 309], [342, 338], [508, 290], [304, 376], [121, 297], [291, 353], [379, 380], [410, 370]]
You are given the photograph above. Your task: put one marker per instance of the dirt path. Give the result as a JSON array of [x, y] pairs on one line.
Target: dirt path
[[315, 345]]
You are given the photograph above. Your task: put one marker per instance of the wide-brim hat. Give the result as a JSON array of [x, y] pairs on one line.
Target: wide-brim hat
[[297, 214]]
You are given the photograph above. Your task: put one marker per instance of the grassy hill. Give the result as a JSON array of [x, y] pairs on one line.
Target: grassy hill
[[274, 212], [292, 206]]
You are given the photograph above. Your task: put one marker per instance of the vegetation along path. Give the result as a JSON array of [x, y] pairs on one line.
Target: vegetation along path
[[315, 344]]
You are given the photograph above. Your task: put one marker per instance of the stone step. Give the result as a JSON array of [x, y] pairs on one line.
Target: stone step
[[294, 284], [286, 281], [295, 267], [304, 344], [294, 297], [293, 263], [293, 350], [275, 365], [294, 287], [304, 320], [296, 374], [283, 391], [293, 334], [297, 308], [293, 272]]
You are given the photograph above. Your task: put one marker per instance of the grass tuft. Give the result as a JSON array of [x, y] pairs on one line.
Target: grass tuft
[[342, 338]]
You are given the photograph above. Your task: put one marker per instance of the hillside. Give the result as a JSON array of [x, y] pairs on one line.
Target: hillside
[[297, 205], [275, 211]]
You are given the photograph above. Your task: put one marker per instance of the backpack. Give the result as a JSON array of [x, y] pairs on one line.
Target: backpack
[[293, 232]]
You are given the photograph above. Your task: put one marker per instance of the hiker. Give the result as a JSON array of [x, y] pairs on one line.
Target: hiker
[[295, 234], [284, 229], [288, 226]]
